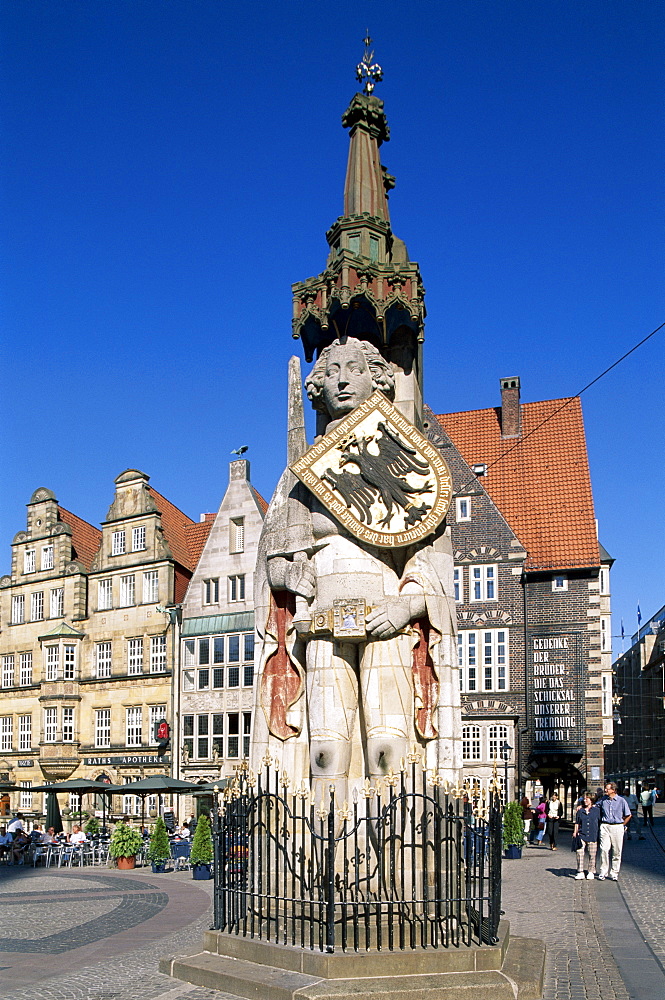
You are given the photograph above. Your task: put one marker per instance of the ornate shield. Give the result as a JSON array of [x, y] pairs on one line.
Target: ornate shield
[[379, 476]]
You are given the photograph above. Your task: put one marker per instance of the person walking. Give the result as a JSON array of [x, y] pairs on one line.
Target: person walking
[[634, 825], [614, 818], [527, 817], [554, 814], [647, 799], [587, 822], [541, 820]]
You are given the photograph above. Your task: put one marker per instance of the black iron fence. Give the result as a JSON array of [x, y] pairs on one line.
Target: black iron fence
[[409, 863]]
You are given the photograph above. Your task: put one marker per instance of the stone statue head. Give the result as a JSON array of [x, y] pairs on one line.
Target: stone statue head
[[345, 375]]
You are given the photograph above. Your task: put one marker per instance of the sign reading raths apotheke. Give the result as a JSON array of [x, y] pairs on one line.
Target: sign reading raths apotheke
[[126, 760], [554, 678]]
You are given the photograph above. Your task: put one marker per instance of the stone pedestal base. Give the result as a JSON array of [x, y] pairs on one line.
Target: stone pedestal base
[[258, 970]]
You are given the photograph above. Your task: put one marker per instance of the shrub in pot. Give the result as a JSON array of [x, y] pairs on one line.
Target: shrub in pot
[[513, 830], [159, 851], [92, 827], [125, 845], [201, 854]]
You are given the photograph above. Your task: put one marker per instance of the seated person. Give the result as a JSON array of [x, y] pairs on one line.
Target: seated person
[[6, 840], [183, 832], [77, 836], [18, 848]]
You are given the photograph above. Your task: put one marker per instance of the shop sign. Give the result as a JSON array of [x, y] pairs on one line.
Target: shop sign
[[25, 763], [555, 668], [127, 760]]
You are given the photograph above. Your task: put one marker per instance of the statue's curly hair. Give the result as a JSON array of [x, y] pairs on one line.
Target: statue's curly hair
[[380, 370]]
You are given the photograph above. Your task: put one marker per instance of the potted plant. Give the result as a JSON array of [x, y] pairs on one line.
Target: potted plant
[[92, 827], [159, 850], [201, 854], [125, 845], [513, 830]]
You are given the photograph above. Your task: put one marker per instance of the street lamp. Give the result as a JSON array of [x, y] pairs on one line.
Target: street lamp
[[506, 750]]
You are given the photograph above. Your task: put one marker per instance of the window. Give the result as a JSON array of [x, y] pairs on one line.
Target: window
[[237, 534], [605, 634], [105, 595], [233, 734], [52, 662], [237, 588], [498, 735], [151, 587], [202, 741], [138, 538], [188, 680], [18, 609], [47, 557], [483, 660], [463, 507], [157, 654], [118, 543], [134, 731], [103, 659], [6, 732], [157, 713], [354, 243], [25, 676], [604, 580], [37, 606], [203, 679], [29, 561], [470, 742], [188, 652], [218, 649], [8, 671], [374, 248], [211, 591], [24, 732], [103, 727], [458, 583], [482, 583], [130, 803], [50, 724], [25, 801], [559, 583], [135, 656], [204, 651], [68, 725], [69, 663], [606, 690], [248, 656], [57, 607], [127, 590], [188, 734]]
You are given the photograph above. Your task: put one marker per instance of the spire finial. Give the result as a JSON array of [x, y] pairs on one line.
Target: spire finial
[[367, 70]]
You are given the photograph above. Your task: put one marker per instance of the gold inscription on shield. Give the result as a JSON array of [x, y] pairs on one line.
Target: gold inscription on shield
[[379, 476]]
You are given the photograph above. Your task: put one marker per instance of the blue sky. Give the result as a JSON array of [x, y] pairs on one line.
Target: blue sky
[[173, 167]]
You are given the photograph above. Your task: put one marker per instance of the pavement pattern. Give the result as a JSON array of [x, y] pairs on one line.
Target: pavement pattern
[[98, 934]]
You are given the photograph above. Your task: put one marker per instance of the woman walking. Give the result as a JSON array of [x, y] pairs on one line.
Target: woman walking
[[554, 814], [587, 824], [541, 820]]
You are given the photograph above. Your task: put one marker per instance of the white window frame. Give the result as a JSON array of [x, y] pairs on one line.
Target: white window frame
[[134, 656], [25, 795], [50, 725], [604, 581], [25, 732], [605, 634], [52, 662], [138, 538], [118, 543], [237, 534], [8, 670], [237, 588], [458, 584], [69, 662], [497, 735], [483, 582], [128, 591], [211, 590], [67, 725], [151, 586], [471, 743], [134, 726], [103, 659], [25, 675], [105, 594], [48, 553], [57, 603], [37, 606], [18, 609], [188, 652], [484, 660], [30, 561], [6, 733], [462, 509], [102, 727], [559, 583], [157, 654]]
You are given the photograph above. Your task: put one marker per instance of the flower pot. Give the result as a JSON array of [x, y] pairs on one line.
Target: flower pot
[[513, 852], [201, 871], [158, 867], [126, 863]]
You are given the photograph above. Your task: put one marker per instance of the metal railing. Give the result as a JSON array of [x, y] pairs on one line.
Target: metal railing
[[410, 863]]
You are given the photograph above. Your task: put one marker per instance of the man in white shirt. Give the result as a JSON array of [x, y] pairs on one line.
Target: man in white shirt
[[16, 824]]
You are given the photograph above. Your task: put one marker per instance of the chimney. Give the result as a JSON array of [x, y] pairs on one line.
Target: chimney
[[511, 419]]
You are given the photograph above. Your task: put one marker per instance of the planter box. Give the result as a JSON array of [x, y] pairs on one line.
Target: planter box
[[158, 867], [513, 852], [201, 872]]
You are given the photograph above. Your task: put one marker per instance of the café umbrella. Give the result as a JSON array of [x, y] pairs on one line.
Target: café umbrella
[[78, 785], [157, 784]]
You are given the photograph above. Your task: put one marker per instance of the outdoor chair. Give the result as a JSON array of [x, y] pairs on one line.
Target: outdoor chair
[[180, 851]]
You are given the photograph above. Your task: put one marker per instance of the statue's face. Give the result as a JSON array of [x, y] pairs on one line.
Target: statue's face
[[347, 382]]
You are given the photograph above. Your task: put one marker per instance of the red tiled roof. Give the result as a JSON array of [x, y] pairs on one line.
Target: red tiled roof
[[542, 487], [197, 535], [86, 539], [176, 526], [263, 504]]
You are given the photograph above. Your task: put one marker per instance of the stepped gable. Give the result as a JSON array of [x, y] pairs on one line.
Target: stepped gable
[[86, 539], [176, 526], [542, 487]]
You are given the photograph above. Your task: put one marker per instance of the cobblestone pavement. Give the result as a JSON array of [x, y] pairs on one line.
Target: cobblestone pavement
[[97, 934]]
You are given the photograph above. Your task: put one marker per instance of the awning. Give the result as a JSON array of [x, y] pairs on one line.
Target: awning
[[241, 621]]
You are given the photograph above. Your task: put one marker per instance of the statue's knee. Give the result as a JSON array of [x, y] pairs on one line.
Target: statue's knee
[[329, 757], [385, 752]]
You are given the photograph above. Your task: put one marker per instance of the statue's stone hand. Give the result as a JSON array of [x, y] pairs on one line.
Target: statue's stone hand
[[300, 579], [386, 621]]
